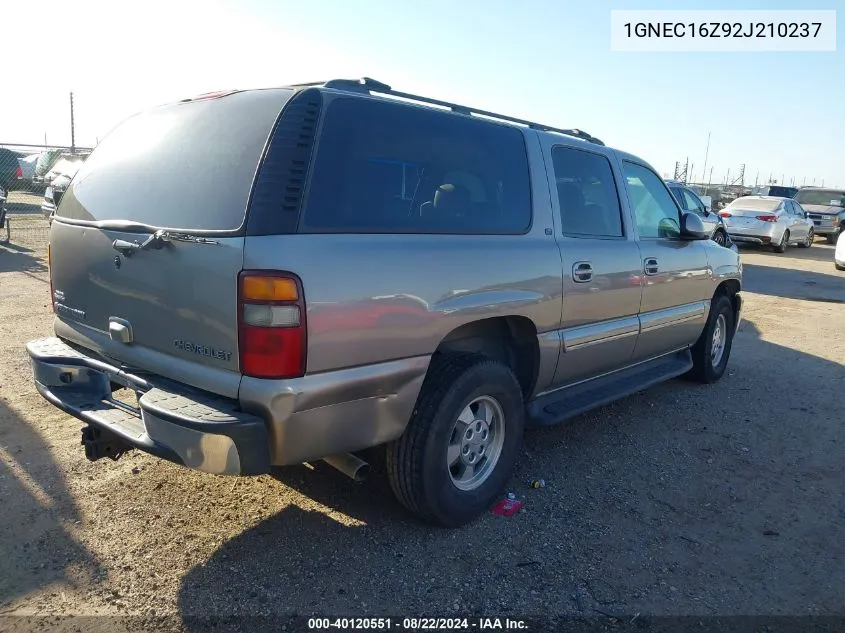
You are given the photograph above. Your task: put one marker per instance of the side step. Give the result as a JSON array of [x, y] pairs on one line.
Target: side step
[[569, 402]]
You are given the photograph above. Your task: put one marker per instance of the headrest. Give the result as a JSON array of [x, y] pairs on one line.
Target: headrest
[[451, 195]]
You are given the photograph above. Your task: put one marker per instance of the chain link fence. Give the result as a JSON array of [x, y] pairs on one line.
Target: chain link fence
[[32, 177], [26, 228]]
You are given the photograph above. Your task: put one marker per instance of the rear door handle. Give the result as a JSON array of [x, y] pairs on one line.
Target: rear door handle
[[651, 267], [582, 272]]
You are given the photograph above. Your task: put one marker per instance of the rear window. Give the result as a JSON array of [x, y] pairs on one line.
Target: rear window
[[825, 197], [181, 166], [389, 168], [755, 204]]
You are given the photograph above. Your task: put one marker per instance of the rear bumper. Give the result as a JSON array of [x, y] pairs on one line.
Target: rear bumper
[[767, 235], [171, 421]]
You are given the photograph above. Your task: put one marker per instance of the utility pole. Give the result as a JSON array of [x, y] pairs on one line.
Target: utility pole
[[756, 178], [706, 155], [72, 131], [710, 180], [728, 177]]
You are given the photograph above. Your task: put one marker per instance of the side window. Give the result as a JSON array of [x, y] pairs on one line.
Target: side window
[[678, 195], [586, 191], [384, 167], [654, 209], [692, 203]]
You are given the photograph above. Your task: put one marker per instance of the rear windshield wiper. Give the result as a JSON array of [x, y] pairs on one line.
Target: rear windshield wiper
[[157, 241]]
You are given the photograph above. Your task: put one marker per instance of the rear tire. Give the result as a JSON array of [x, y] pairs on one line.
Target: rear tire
[[711, 352], [838, 267], [417, 463], [831, 238], [784, 243], [720, 237]]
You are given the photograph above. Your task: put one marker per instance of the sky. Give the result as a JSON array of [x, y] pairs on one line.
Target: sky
[[780, 114]]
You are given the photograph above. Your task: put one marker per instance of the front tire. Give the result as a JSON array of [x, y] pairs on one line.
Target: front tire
[[461, 443], [808, 241], [831, 238], [720, 237], [711, 352]]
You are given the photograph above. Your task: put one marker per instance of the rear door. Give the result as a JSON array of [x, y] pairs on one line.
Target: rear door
[[601, 264], [170, 308]]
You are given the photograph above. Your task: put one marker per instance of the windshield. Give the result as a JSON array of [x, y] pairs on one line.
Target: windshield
[[755, 204], [823, 197], [180, 166]]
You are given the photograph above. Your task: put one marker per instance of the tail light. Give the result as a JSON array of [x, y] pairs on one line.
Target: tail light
[[271, 325], [724, 214], [19, 172], [768, 218]]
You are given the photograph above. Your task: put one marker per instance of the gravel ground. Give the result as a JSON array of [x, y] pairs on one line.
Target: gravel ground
[[682, 500]]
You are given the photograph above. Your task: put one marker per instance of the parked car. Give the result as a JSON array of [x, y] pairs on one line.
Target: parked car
[[10, 169], [826, 209], [440, 233], [27, 165], [690, 201], [839, 253], [66, 165], [45, 162], [59, 178], [768, 220]]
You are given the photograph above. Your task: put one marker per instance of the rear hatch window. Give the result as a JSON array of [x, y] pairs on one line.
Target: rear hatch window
[[188, 165]]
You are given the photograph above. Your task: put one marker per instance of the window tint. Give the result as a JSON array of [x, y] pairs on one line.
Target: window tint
[[384, 167], [655, 211], [216, 146], [586, 191], [692, 203], [679, 196]]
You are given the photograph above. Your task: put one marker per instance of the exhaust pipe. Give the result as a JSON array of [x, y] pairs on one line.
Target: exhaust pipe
[[350, 465]]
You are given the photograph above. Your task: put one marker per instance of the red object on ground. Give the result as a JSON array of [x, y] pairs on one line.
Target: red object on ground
[[507, 507]]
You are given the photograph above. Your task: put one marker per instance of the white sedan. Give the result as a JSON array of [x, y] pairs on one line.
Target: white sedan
[[839, 253]]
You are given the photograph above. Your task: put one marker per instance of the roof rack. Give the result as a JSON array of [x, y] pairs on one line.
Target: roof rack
[[367, 85]]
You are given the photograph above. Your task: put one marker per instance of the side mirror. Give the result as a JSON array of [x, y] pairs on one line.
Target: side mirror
[[692, 228]]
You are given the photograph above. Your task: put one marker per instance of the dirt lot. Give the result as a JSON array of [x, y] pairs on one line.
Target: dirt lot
[[683, 499]]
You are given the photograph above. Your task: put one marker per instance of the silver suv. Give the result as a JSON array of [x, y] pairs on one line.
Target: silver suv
[[349, 270]]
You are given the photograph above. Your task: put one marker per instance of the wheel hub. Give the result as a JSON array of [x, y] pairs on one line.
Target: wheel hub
[[475, 442], [717, 348]]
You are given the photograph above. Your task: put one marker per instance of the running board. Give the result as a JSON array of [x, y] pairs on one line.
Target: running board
[[563, 404]]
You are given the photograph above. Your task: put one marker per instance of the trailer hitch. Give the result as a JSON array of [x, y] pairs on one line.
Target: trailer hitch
[[99, 443]]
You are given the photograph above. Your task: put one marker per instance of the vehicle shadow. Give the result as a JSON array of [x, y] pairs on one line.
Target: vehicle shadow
[[36, 524], [680, 486], [15, 258], [23, 203], [794, 283]]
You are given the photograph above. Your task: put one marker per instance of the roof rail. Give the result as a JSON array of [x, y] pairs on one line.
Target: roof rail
[[367, 85]]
